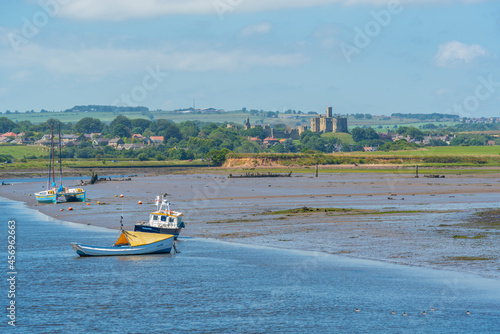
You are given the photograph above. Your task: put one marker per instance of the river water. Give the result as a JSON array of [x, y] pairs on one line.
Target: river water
[[216, 287]]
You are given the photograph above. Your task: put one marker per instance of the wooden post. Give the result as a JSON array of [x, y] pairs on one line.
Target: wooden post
[[416, 171], [316, 170]]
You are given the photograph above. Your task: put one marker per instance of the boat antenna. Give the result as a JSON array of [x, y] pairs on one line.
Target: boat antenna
[[60, 155], [121, 223]]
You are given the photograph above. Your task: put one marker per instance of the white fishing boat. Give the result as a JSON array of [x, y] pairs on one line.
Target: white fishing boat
[[163, 220], [130, 243]]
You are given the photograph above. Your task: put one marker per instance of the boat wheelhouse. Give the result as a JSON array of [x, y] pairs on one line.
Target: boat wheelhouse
[[163, 220]]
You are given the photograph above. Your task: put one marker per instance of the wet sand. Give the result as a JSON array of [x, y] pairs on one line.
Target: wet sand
[[424, 215]]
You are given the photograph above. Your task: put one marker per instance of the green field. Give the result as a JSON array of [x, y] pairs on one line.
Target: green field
[[345, 137], [20, 151], [237, 117], [444, 151]]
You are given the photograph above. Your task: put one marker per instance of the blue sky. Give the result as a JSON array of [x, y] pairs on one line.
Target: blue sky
[[359, 56]]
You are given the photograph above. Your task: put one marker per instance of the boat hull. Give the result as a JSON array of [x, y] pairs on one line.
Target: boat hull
[[75, 197], [160, 230], [50, 198], [162, 246]]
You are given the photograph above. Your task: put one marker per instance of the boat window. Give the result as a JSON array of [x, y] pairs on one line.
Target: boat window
[[163, 218], [155, 217]]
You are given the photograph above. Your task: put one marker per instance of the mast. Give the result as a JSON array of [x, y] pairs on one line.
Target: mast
[[52, 148], [50, 167], [60, 155]]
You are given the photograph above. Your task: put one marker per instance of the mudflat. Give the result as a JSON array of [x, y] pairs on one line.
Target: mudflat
[[444, 223]]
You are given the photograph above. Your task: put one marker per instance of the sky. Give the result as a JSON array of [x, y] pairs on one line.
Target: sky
[[358, 56]]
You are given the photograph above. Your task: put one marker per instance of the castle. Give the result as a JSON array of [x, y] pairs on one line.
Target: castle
[[320, 124], [289, 133], [329, 123]]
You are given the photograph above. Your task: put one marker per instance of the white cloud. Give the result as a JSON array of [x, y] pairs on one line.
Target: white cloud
[[117, 10], [456, 53], [256, 29], [101, 62]]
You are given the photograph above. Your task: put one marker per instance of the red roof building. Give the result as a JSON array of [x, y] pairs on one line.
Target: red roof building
[[9, 134]]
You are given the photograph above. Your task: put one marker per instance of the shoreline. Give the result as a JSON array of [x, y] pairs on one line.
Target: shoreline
[[219, 208]]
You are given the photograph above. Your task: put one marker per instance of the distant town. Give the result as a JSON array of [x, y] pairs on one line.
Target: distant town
[[106, 132]]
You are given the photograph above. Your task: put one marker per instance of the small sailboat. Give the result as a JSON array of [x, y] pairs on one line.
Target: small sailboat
[[163, 220], [70, 194], [130, 243], [51, 194]]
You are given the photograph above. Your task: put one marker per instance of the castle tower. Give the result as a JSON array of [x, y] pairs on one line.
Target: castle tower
[[247, 124], [329, 112]]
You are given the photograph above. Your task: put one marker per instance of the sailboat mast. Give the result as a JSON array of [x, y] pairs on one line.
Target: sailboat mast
[[50, 168], [60, 154], [52, 148]]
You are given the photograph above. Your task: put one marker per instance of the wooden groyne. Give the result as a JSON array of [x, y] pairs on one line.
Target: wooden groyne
[[249, 175]]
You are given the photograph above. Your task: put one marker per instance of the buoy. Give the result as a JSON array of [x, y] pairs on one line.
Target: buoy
[[29, 194], [98, 202], [88, 203], [60, 209], [121, 195], [140, 202], [70, 208], [116, 195]]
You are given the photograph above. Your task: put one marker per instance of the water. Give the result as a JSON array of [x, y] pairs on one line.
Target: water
[[214, 287]]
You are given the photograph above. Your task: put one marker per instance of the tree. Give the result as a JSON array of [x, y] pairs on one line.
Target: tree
[[358, 134], [172, 132], [120, 120], [160, 126], [121, 130], [143, 157], [218, 157], [6, 124], [141, 123], [188, 129], [89, 125]]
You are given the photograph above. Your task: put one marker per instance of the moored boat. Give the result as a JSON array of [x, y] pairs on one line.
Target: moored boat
[[73, 194], [163, 220], [130, 243], [47, 196]]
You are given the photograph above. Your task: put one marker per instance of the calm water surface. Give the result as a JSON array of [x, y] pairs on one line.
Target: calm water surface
[[214, 287]]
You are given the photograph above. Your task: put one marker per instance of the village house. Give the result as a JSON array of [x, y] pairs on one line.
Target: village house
[[9, 134], [270, 141], [100, 141], [156, 139], [69, 138], [130, 146], [115, 142], [254, 139]]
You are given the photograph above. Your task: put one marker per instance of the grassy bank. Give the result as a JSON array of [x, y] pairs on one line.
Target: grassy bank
[[433, 157]]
